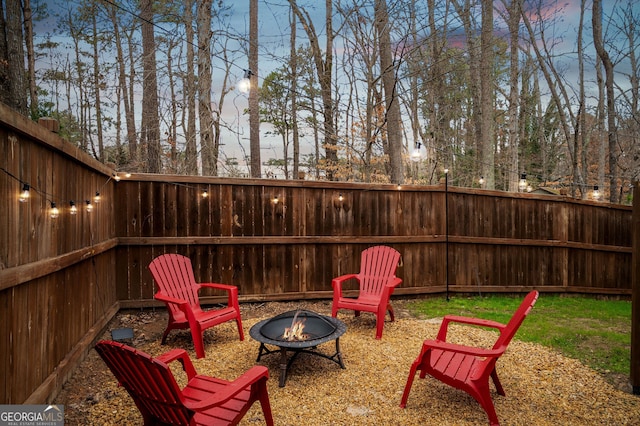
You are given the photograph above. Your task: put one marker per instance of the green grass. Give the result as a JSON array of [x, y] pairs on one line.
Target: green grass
[[596, 332]]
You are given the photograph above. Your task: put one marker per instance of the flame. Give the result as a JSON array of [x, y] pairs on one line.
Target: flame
[[295, 332]]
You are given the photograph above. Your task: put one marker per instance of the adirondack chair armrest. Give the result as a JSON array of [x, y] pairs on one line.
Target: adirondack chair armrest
[[232, 291], [395, 282], [225, 287], [461, 349], [182, 304], [444, 326], [337, 282], [247, 379], [182, 357]]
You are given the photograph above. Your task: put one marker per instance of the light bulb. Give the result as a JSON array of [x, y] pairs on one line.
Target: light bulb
[[340, 197], [24, 195], [97, 198], [54, 212], [522, 185], [244, 84], [481, 180], [205, 194], [116, 177], [89, 206], [73, 209], [275, 200], [596, 192], [416, 155]]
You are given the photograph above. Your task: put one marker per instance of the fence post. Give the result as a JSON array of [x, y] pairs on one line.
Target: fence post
[[635, 298]]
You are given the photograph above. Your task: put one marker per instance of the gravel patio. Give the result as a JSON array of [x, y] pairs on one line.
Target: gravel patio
[[542, 387]]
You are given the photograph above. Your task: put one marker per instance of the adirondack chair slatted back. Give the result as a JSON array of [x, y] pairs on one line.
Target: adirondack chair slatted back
[[516, 320], [174, 275], [377, 268], [148, 381]]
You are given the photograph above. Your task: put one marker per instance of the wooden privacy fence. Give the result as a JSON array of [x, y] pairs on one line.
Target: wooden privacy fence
[[292, 248], [62, 280]]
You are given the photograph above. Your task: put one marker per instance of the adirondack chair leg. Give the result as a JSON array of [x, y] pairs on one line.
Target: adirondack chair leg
[[165, 334], [198, 342], [496, 382], [484, 398], [407, 387], [264, 403], [391, 313], [240, 330]]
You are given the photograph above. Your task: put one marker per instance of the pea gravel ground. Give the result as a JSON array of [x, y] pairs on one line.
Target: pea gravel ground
[[542, 387]]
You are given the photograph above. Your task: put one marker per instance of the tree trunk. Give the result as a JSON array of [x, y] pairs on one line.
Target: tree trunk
[[191, 149], [612, 133], [254, 107], [293, 64], [324, 68], [31, 58], [122, 79], [203, 19], [96, 87], [486, 95], [17, 98], [389, 82], [513, 20], [150, 126]]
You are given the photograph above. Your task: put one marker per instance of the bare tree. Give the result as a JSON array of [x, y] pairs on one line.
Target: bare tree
[[324, 68], [13, 56], [611, 109], [293, 66], [31, 58], [389, 81], [487, 83], [191, 150], [124, 88], [254, 107], [150, 126], [203, 19]]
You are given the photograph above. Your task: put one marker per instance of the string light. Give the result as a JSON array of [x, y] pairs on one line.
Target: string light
[[73, 209], [116, 177], [205, 194], [245, 82], [54, 212], [416, 155], [89, 206], [522, 185], [340, 197], [596, 193], [24, 195], [481, 181], [275, 200], [97, 198]]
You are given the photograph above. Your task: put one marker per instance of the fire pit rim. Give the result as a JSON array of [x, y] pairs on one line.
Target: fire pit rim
[[340, 329]]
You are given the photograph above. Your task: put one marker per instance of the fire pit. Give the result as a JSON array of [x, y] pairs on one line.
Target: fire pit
[[298, 331]]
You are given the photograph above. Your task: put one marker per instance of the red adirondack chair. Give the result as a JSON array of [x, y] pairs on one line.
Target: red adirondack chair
[[376, 279], [173, 274], [464, 367], [203, 401]]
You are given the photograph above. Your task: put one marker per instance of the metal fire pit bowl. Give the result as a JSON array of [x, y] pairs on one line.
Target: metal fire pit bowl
[[318, 329]]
